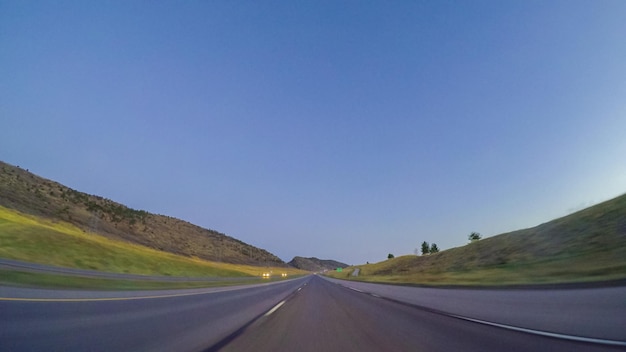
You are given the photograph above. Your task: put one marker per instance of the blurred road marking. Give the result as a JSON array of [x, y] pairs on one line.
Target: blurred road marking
[[275, 308], [102, 299], [544, 333]]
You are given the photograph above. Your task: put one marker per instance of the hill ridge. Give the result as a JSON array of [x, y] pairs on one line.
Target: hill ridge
[[31, 194], [587, 245], [315, 264]]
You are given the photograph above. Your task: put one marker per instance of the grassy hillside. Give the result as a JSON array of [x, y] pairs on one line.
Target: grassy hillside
[[27, 193], [28, 238], [589, 245], [315, 264]]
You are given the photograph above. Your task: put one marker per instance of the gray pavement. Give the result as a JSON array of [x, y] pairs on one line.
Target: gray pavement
[[156, 321], [328, 317], [304, 314], [598, 312]]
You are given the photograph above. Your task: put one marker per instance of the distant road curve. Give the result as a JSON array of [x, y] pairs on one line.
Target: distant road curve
[[42, 268]]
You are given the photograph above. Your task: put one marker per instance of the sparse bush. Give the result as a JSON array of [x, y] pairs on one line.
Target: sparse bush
[[474, 236], [390, 256], [434, 248]]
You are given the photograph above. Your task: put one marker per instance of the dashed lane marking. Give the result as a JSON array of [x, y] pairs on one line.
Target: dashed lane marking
[[275, 308]]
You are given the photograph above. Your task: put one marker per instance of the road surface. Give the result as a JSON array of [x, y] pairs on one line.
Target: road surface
[[327, 317], [306, 314], [598, 312], [179, 320]]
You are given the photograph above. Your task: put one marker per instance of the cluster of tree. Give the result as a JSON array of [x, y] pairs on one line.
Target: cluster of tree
[[429, 248], [433, 248]]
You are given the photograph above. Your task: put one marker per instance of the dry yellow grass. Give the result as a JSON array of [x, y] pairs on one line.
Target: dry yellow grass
[[32, 239], [28, 193], [589, 245]]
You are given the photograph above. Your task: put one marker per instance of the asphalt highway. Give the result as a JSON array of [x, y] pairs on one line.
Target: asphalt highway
[[324, 316], [594, 312], [306, 314], [180, 320]]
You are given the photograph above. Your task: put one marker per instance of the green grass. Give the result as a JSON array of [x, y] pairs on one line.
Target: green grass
[[546, 273], [31, 239], [404, 270]]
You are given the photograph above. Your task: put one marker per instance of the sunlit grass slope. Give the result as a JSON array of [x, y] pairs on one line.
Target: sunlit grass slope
[[32, 239], [589, 245], [30, 194]]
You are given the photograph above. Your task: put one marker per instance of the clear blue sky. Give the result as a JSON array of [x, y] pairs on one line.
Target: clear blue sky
[[344, 130]]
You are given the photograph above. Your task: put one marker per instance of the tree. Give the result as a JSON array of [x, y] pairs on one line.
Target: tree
[[434, 248], [425, 248], [474, 236], [390, 256]]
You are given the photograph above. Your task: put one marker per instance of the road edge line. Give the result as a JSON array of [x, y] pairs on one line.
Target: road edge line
[[541, 332], [498, 325]]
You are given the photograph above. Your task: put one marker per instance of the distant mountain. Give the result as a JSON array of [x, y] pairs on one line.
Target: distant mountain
[[315, 264], [28, 193]]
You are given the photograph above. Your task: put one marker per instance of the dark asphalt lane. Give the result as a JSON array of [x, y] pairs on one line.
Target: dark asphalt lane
[[177, 323], [595, 312], [312, 314], [324, 316]]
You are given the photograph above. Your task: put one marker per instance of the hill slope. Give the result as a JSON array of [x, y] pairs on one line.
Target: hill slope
[[28, 193], [588, 245], [315, 264]]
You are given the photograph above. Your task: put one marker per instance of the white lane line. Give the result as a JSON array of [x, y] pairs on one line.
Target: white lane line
[[354, 289], [299, 288], [374, 295], [544, 333], [130, 298], [103, 299], [275, 308]]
